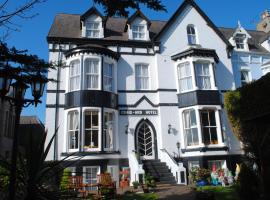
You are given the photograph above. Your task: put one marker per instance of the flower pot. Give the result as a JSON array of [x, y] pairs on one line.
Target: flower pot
[[202, 183]]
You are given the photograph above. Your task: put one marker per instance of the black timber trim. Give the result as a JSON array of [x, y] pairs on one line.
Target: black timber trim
[[92, 49], [103, 42], [54, 105], [198, 52], [84, 153], [55, 91], [148, 91], [200, 11], [148, 101], [91, 98], [206, 149]]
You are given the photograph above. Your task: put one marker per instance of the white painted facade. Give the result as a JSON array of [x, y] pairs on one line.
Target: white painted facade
[[160, 95]]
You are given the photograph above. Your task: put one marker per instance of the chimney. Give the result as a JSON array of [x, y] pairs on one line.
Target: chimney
[[264, 24]]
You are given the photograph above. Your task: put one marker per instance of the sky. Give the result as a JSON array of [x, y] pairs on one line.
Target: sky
[[32, 32]]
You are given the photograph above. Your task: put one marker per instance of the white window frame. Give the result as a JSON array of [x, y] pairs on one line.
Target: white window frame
[[98, 128], [203, 76], [140, 77], [184, 115], [91, 178], [90, 28], [185, 78], [91, 74], [112, 124], [75, 76], [240, 40], [141, 34], [192, 38], [108, 78], [209, 126], [68, 131], [244, 82]]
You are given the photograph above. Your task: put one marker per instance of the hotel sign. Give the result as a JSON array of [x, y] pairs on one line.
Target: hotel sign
[[138, 112]]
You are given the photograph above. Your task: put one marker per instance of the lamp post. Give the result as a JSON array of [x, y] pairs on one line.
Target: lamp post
[[16, 99]]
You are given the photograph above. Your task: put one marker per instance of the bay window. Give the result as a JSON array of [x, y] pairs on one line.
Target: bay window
[[73, 130], [108, 130], [108, 77], [138, 32], [92, 29], [74, 75], [190, 127], [91, 129], [203, 75], [209, 127], [91, 70], [142, 76], [184, 77]]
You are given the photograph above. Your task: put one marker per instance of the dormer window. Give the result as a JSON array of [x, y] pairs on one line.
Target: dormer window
[[138, 32], [240, 41], [191, 34], [92, 29]]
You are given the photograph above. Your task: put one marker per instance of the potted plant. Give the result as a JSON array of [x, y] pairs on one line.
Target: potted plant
[[203, 176], [135, 184]]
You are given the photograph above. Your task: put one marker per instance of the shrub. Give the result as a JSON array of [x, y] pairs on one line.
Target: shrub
[[203, 174], [248, 184], [135, 184], [65, 179]]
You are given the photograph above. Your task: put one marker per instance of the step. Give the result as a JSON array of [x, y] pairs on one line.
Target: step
[[165, 170]]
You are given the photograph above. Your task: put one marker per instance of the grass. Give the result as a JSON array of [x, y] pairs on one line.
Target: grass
[[221, 193], [133, 196]]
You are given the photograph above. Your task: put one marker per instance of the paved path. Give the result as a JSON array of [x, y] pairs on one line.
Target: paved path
[[175, 192]]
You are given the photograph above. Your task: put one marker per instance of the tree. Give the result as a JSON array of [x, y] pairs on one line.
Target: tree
[[248, 110], [120, 7], [9, 15]]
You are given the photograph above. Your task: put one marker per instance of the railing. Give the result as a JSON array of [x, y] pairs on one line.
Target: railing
[[177, 169], [136, 168]]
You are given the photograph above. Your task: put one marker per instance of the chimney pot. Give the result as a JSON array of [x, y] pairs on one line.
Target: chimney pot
[[265, 14]]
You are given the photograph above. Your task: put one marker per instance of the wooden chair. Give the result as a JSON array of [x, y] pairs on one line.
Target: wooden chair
[[76, 184]]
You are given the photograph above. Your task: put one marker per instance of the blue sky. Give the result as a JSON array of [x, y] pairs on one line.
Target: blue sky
[[33, 32]]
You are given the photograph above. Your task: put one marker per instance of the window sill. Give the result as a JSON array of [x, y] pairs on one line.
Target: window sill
[[88, 153], [206, 149]]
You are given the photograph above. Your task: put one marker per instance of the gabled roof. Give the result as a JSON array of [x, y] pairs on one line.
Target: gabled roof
[[90, 12], [253, 42], [138, 13], [199, 10]]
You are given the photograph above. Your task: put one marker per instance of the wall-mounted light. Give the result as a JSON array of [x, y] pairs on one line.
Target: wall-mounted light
[[169, 129], [127, 129]]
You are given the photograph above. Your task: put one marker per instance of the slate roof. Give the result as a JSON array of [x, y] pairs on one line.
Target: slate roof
[[69, 26], [253, 43]]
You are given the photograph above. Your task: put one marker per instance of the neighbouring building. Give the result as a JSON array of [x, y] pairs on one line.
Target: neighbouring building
[[138, 93]]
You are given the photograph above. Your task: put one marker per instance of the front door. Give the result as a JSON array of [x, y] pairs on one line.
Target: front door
[[145, 141]]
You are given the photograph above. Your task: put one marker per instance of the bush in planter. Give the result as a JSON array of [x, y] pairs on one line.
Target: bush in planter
[[193, 173], [203, 177], [135, 184]]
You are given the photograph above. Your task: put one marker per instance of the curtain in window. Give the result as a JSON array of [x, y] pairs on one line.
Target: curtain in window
[[108, 130], [73, 129], [74, 75], [185, 77], [142, 77], [203, 75], [244, 77], [108, 77], [190, 128], [91, 74]]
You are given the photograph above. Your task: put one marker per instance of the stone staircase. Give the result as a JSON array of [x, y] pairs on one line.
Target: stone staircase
[[159, 170]]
